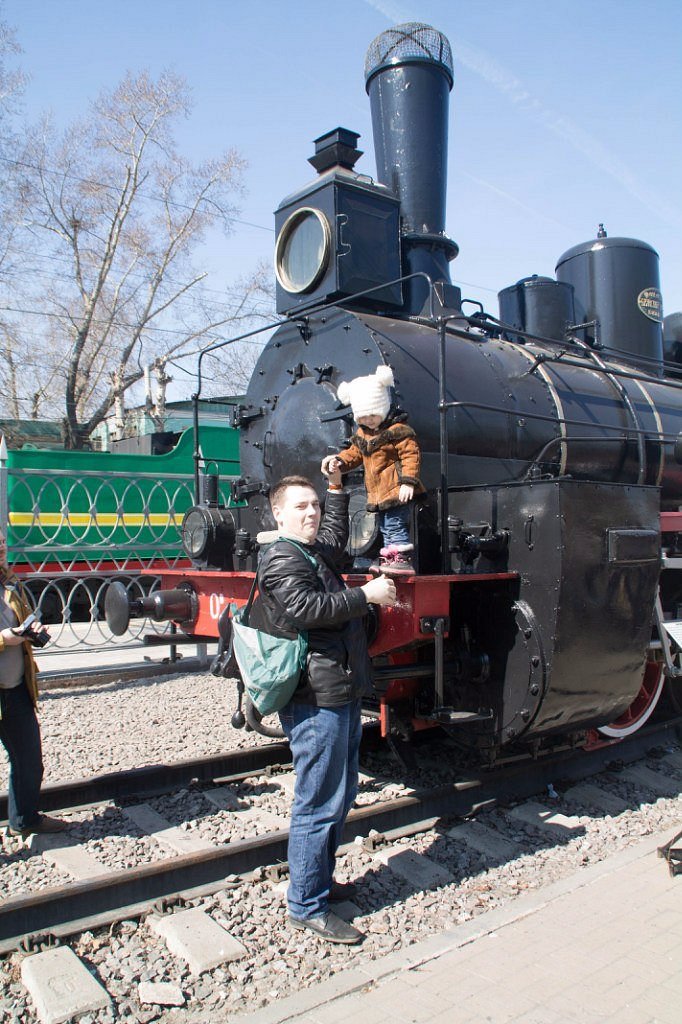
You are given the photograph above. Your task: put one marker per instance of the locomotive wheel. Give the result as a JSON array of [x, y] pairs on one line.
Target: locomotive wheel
[[642, 706]]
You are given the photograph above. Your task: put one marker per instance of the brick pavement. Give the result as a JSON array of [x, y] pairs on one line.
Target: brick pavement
[[604, 945]]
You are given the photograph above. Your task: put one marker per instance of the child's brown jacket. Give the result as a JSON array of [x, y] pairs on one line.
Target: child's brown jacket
[[390, 458]]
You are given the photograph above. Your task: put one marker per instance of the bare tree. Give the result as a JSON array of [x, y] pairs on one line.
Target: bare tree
[[121, 213], [12, 204], [227, 371]]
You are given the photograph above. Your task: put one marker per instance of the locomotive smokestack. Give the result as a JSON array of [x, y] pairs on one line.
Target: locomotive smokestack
[[408, 75]]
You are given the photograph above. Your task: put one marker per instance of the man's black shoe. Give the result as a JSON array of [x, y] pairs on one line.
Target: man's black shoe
[[330, 927], [341, 891]]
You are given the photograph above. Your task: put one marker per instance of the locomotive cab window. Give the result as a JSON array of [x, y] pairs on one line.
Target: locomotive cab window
[[302, 252]]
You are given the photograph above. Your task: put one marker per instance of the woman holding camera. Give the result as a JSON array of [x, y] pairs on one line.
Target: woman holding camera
[[19, 730]]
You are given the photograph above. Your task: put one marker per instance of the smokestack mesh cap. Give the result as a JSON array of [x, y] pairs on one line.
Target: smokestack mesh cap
[[407, 43]]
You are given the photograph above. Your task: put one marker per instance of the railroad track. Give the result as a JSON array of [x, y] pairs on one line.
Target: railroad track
[[155, 779], [63, 910]]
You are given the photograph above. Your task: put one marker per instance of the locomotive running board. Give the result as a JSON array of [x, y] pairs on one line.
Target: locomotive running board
[[674, 630]]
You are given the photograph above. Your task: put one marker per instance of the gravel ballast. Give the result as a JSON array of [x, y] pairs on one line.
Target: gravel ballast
[[117, 726]]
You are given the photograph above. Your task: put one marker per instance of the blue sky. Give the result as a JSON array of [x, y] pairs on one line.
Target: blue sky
[[564, 113]]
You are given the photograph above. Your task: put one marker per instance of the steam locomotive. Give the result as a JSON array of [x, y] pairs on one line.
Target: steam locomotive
[[544, 607]]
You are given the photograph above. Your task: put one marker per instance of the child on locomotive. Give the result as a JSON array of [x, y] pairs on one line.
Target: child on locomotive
[[389, 452]]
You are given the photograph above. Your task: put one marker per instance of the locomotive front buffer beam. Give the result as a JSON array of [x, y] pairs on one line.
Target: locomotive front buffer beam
[[200, 605]]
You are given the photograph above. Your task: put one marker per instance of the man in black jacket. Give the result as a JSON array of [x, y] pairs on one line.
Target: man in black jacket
[[322, 720]]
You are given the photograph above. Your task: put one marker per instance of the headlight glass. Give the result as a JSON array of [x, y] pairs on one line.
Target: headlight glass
[[195, 532], [364, 525], [208, 536], [302, 251]]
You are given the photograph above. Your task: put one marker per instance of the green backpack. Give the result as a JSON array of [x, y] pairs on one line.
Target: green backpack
[[270, 666]]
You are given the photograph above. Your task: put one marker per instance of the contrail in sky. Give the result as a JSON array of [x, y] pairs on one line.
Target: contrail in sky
[[486, 67], [514, 201]]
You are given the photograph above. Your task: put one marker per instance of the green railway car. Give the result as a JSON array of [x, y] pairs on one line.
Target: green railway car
[[66, 506], [74, 513]]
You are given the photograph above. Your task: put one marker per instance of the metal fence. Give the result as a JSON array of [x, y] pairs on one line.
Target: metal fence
[[70, 532]]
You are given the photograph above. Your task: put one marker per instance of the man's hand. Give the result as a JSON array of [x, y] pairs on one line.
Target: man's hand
[[405, 493], [331, 464], [331, 468], [381, 591]]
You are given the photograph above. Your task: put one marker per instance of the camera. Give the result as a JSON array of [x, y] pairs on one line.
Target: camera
[[31, 629]]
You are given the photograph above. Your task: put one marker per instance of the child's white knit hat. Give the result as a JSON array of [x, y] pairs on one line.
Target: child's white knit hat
[[368, 396]]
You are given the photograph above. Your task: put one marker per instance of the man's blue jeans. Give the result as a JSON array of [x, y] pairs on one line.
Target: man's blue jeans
[[324, 745], [20, 736]]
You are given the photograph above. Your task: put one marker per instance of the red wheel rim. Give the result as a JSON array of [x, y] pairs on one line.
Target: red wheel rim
[[642, 706]]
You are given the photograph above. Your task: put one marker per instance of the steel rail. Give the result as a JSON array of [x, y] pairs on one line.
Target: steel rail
[[155, 779], [63, 910]]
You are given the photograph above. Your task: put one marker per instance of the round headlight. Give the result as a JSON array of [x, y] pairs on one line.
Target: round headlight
[[208, 536], [196, 530], [364, 525], [302, 250]]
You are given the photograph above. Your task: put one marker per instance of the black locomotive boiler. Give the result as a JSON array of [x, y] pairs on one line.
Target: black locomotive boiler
[[545, 600]]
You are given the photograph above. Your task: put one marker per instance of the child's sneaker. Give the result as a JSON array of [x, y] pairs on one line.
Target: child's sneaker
[[398, 566], [393, 561], [386, 556]]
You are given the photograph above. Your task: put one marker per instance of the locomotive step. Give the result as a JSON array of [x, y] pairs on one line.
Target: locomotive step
[[673, 628], [671, 562]]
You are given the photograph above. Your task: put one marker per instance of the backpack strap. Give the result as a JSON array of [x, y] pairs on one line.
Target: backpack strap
[[303, 551], [252, 593], [247, 607]]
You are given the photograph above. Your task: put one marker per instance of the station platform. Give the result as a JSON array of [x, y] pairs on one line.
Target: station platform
[[604, 945]]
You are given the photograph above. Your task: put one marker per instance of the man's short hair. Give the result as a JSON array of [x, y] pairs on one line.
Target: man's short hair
[[277, 490]]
